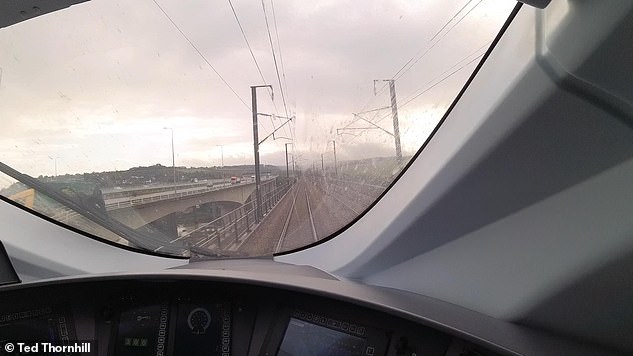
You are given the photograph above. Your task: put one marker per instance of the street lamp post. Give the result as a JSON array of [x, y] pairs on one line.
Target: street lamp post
[[55, 163], [173, 156], [221, 160]]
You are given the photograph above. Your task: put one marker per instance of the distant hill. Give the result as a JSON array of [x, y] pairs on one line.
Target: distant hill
[[160, 174]]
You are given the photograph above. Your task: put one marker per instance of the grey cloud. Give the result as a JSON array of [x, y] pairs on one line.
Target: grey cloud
[[124, 63]]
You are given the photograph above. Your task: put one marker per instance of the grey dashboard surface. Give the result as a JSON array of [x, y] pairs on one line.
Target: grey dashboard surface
[[303, 283]]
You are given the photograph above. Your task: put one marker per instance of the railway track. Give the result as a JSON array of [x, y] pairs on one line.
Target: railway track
[[299, 222], [311, 210], [347, 199], [340, 201]]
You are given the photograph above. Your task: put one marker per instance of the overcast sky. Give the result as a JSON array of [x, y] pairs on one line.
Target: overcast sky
[[94, 85]]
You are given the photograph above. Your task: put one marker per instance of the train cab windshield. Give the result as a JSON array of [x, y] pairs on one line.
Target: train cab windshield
[[226, 128]]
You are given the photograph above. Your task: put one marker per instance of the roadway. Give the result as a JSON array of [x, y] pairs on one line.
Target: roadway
[[140, 198], [164, 186], [149, 194]]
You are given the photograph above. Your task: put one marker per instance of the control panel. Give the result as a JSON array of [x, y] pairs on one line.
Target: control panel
[[157, 318], [178, 328]]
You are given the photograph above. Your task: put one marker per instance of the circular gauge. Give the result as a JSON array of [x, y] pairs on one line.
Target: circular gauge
[[199, 320]]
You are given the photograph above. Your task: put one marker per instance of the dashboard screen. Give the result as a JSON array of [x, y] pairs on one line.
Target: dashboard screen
[[303, 338]]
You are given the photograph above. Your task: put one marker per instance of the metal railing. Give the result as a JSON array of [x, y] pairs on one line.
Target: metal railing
[[229, 227], [150, 189], [141, 200]]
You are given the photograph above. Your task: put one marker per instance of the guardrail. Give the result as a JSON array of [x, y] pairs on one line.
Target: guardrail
[[140, 200], [144, 190]]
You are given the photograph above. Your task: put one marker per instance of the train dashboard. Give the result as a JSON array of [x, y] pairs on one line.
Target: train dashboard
[[243, 307]]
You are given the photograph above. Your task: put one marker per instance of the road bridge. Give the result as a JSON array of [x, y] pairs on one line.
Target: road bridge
[[142, 208]]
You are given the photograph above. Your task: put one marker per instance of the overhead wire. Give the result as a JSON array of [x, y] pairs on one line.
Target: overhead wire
[[483, 47], [434, 36], [440, 81], [438, 41], [272, 48], [396, 77], [401, 73], [426, 88], [449, 21], [422, 53], [436, 81], [202, 55], [247, 43], [281, 58]]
